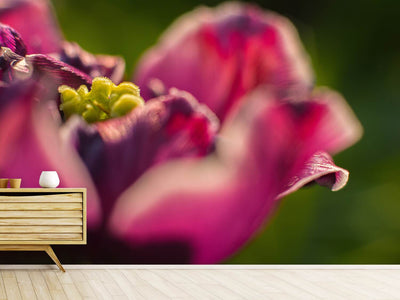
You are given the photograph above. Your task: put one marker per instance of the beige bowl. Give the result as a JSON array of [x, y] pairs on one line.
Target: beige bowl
[[15, 183]]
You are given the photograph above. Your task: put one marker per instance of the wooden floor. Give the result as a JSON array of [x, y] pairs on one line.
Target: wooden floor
[[128, 283]]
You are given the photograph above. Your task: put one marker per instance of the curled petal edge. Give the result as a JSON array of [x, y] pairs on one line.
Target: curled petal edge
[[321, 169]]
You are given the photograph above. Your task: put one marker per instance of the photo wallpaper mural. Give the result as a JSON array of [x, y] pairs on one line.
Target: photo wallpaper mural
[[205, 132]]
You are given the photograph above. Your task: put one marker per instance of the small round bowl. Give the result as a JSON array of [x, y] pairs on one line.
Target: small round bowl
[[49, 179], [15, 183]]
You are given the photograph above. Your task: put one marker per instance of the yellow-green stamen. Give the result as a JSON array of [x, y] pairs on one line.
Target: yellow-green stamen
[[105, 100]]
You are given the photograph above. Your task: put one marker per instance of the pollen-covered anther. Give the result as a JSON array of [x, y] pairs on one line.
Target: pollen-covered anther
[[105, 100]]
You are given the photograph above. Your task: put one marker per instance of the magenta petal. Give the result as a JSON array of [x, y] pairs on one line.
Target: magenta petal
[[228, 51], [11, 39], [119, 151], [35, 21], [31, 142], [217, 204], [112, 67]]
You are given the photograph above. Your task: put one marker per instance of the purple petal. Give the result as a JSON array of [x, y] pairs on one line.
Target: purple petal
[[49, 70], [215, 205], [11, 39], [228, 51], [119, 151], [31, 142], [58, 72], [112, 67], [35, 21]]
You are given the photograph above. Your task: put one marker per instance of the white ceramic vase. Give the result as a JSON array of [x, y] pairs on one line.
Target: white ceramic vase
[[49, 179]]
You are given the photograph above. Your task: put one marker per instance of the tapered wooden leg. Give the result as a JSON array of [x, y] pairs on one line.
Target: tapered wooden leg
[[53, 256], [46, 248]]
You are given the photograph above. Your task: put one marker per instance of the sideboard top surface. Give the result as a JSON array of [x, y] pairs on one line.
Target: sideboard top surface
[[43, 190]]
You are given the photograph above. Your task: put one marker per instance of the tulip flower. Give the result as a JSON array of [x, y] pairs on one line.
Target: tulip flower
[[231, 123]]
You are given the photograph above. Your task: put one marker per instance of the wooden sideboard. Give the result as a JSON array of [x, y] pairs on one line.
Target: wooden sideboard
[[33, 219]]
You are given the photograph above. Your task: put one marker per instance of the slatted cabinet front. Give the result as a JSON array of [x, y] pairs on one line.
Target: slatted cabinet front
[[42, 218]]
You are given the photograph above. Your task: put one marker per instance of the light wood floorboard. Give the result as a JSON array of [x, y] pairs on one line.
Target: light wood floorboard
[[216, 284]]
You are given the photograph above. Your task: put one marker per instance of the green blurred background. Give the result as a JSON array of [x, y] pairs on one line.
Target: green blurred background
[[354, 46]]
